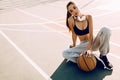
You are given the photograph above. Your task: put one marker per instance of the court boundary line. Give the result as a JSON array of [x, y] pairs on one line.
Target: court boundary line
[[114, 55], [36, 16], [84, 5], [26, 57], [29, 30], [99, 15], [115, 28], [19, 24]]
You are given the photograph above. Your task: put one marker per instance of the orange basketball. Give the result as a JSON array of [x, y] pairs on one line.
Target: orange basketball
[[86, 63]]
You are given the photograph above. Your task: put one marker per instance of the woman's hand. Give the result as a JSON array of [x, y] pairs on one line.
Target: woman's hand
[[89, 53], [71, 46]]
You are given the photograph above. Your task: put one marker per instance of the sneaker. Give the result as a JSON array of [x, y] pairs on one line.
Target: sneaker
[[108, 65]]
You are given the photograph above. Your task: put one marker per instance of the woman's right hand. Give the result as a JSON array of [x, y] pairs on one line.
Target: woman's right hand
[[88, 53], [71, 46]]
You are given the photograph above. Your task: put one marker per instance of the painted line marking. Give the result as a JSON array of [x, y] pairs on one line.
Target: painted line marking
[[26, 57], [24, 24], [29, 30]]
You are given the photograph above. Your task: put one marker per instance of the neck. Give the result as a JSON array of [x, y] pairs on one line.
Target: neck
[[80, 15]]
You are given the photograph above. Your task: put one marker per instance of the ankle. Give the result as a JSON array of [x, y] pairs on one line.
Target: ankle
[[104, 58]]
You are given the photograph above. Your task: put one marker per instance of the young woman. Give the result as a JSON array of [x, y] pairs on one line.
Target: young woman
[[81, 26]]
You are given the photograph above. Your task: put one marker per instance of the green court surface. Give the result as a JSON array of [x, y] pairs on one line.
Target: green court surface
[[70, 71]]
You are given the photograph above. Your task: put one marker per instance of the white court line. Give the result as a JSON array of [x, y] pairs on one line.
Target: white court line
[[84, 5], [114, 28], [29, 30], [24, 24], [28, 13], [66, 13], [104, 14], [115, 44], [97, 15], [38, 17], [114, 55], [57, 31], [56, 6], [26, 57]]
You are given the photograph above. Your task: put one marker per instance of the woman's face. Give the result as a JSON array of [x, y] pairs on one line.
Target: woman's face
[[73, 9]]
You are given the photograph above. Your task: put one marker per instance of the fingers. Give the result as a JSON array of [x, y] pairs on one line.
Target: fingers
[[89, 53]]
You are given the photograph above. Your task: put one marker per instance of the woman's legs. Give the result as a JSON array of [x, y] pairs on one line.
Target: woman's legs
[[101, 42], [72, 54]]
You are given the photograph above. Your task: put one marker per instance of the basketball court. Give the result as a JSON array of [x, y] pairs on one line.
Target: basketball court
[[33, 36]]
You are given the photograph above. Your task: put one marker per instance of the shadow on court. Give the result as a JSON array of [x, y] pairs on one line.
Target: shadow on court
[[70, 71]]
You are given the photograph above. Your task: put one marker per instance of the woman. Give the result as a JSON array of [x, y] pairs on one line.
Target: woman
[[81, 26]]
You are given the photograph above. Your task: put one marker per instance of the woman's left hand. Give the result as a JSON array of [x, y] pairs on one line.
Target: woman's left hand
[[71, 46], [89, 53]]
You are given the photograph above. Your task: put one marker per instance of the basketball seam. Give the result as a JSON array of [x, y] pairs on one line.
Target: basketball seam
[[78, 63], [85, 62], [93, 61]]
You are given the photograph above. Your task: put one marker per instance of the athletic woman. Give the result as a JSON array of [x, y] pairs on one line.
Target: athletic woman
[[81, 26]]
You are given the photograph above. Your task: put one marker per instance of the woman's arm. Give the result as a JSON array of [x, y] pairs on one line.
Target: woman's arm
[[89, 17], [74, 36]]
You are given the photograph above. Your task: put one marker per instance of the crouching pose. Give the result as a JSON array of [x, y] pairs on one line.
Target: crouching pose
[[81, 26]]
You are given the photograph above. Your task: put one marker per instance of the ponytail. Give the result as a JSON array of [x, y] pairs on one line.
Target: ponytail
[[68, 14], [67, 24]]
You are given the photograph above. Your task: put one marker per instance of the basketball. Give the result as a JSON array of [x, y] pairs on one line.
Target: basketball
[[86, 63]]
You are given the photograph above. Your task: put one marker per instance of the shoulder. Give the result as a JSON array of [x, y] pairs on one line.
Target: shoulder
[[71, 20], [89, 17]]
